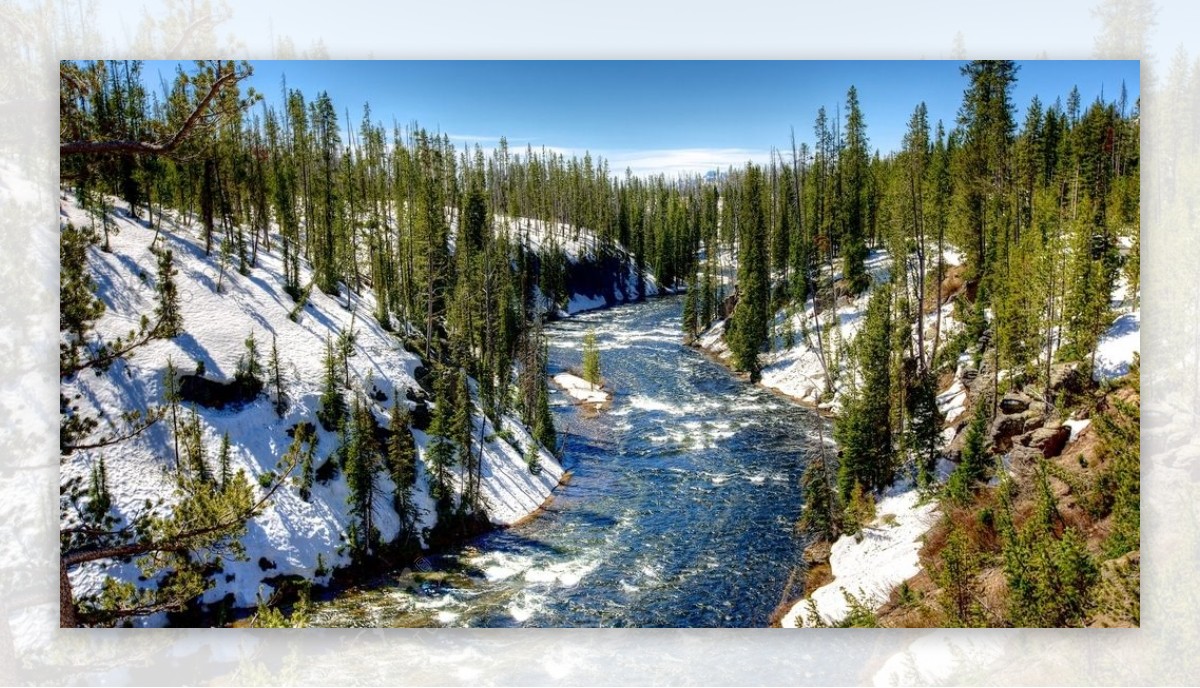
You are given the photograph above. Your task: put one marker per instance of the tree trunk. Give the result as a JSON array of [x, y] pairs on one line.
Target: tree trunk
[[67, 614]]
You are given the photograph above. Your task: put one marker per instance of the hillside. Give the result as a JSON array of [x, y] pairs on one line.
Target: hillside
[[292, 536], [891, 549]]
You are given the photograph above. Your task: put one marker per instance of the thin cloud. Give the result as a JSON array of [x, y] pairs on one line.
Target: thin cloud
[[670, 162], [687, 161]]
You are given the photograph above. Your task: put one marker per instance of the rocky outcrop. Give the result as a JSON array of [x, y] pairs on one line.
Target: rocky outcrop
[[1049, 440], [1004, 429]]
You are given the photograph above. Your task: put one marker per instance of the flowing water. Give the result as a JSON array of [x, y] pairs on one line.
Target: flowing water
[[679, 513]]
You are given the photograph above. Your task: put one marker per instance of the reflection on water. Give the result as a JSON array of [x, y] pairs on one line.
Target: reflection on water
[[679, 511]]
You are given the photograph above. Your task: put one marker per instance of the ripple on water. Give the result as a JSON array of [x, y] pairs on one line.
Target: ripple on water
[[664, 523]]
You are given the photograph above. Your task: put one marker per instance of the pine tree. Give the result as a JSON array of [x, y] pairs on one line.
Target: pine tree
[[277, 381], [333, 404], [99, 498], [223, 461], [821, 514], [79, 308], [170, 320], [748, 326], [853, 167], [691, 307], [543, 424], [249, 372], [924, 426], [982, 172], [441, 447], [591, 358], [956, 577], [193, 450], [864, 430], [461, 427], [301, 453], [361, 464], [171, 393], [1050, 576], [402, 467], [532, 459]]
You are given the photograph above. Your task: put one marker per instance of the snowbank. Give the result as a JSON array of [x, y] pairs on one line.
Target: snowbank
[[869, 568], [582, 390], [290, 534], [1077, 427], [1114, 353]]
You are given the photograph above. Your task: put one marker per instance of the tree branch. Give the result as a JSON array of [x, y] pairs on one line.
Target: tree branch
[[147, 148]]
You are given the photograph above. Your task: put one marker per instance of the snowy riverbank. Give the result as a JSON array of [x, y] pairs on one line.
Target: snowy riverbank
[[292, 536], [869, 565]]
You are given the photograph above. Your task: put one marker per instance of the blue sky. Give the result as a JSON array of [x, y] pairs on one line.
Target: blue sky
[[659, 116]]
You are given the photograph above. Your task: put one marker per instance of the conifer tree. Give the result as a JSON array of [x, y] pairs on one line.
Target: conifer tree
[[982, 171], [361, 465], [402, 467], [924, 426], [1050, 576], [441, 446], [864, 430], [591, 358], [821, 514], [460, 430], [853, 167], [956, 576], [249, 373], [223, 458], [172, 395], [691, 313], [543, 424], [277, 382], [333, 404], [99, 498], [748, 326], [193, 450], [302, 452], [79, 308], [170, 320]]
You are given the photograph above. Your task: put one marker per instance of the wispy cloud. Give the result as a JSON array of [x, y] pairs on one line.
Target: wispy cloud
[[473, 138], [676, 161], [641, 162]]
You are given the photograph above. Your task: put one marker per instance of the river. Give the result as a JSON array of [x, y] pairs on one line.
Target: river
[[679, 512]]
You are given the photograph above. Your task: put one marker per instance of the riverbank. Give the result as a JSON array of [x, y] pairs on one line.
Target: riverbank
[[671, 516], [799, 368]]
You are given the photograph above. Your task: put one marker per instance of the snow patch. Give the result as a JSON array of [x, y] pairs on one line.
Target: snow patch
[[582, 390], [870, 566]]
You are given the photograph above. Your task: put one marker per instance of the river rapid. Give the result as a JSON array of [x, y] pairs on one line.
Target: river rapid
[[679, 511]]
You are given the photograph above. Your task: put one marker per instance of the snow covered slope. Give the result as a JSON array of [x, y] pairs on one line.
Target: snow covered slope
[[291, 532], [869, 567], [797, 371], [596, 278]]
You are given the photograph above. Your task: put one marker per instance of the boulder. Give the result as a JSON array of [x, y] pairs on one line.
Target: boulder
[[1050, 440], [1014, 402], [1004, 429], [421, 415]]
